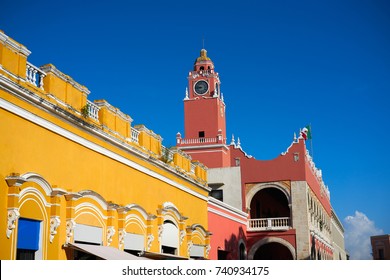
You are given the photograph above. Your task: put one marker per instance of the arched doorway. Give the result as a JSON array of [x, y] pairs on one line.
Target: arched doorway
[[269, 203], [273, 251], [272, 248]]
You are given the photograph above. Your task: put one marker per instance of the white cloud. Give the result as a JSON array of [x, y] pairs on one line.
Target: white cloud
[[358, 230]]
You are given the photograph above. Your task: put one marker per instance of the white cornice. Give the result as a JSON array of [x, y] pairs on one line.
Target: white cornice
[[7, 41], [227, 207], [222, 214], [50, 68]]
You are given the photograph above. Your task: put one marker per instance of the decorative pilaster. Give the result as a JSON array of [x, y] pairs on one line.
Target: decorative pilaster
[[160, 232], [182, 235], [122, 234], [110, 234], [55, 211], [208, 248], [111, 211], [70, 209], [189, 247], [14, 182], [149, 242]]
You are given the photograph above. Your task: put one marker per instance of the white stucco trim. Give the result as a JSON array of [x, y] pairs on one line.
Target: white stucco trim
[[226, 207], [222, 214]]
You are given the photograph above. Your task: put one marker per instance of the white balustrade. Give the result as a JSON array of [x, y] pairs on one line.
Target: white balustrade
[[193, 168], [167, 154], [198, 140], [93, 110], [269, 224], [34, 75], [134, 135]]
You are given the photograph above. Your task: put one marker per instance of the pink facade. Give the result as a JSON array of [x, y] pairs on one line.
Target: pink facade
[[284, 208], [228, 227]]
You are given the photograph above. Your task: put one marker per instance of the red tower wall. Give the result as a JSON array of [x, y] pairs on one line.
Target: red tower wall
[[204, 114]]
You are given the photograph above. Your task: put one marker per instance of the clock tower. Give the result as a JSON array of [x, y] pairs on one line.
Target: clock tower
[[204, 116]]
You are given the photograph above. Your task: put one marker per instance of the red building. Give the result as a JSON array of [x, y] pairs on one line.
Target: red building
[[259, 209]]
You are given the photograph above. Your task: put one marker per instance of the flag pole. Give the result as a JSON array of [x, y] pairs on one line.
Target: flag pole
[[311, 143]]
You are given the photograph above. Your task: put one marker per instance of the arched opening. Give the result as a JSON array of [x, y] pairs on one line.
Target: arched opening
[[269, 203], [273, 251]]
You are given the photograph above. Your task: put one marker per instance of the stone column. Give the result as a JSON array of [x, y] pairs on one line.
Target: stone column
[[300, 218]]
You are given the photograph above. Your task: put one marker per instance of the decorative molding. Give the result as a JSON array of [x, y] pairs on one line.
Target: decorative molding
[[54, 224], [189, 247], [169, 206], [182, 235], [226, 207], [7, 41], [122, 233], [222, 214], [14, 180], [149, 242], [186, 98], [110, 234], [70, 225], [208, 248], [12, 217], [160, 232]]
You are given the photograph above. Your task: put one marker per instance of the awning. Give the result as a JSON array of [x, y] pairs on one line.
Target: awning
[[161, 256], [104, 252]]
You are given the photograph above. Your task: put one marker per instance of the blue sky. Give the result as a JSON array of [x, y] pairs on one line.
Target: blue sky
[[283, 64]]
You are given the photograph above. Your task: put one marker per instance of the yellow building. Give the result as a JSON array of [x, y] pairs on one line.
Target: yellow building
[[77, 180]]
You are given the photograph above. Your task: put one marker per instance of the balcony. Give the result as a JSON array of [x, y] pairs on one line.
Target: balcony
[[269, 224]]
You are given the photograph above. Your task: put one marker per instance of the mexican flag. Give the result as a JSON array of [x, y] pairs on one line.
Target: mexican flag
[[306, 132]]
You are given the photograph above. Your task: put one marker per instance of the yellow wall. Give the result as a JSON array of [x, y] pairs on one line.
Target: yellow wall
[[69, 160]]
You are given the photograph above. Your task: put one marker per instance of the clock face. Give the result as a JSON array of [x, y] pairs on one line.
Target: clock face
[[201, 87]]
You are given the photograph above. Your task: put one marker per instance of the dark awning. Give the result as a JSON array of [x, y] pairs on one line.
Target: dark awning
[[161, 256], [104, 252]]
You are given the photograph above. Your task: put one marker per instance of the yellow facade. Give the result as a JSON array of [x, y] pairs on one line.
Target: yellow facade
[[66, 162]]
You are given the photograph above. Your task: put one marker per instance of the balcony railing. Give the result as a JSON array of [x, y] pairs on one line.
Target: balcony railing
[[34, 75], [93, 110], [269, 224], [198, 140], [134, 135]]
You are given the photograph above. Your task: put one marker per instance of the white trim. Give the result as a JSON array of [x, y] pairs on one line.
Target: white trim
[[212, 210], [80, 210], [33, 190], [215, 202], [8, 42], [202, 147], [92, 146], [38, 179]]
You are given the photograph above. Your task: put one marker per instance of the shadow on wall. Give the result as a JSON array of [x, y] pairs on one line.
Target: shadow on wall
[[233, 245]]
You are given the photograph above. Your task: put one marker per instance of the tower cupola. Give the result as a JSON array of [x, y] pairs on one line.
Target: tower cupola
[[203, 62]]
